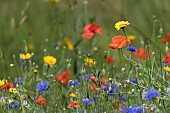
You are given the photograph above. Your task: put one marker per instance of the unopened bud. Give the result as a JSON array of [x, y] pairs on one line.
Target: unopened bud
[[161, 31], [83, 71], [68, 66], [103, 71], [166, 48]]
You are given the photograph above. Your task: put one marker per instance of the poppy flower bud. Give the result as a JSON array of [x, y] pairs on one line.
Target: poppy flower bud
[[103, 71], [166, 48], [161, 31]]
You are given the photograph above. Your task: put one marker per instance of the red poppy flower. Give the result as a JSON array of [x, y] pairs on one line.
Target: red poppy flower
[[7, 86], [119, 42], [167, 58], [109, 60], [90, 30], [64, 77], [41, 101], [73, 104], [166, 38], [92, 78], [102, 80], [92, 88], [141, 53]]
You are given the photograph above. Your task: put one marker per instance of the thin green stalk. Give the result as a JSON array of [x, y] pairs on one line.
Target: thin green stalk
[[3, 66]]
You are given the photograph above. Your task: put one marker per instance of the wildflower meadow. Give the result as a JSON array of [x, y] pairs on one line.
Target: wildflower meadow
[[84, 56]]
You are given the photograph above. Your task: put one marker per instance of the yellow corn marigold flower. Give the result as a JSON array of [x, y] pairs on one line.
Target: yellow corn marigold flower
[[167, 68], [121, 24], [131, 37], [3, 82], [25, 56], [35, 70], [91, 62], [95, 49], [110, 79], [72, 95], [50, 60], [13, 90], [69, 44]]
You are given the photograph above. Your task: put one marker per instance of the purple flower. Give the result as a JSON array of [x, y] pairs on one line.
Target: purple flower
[[95, 97], [9, 106], [151, 94], [136, 109], [86, 101], [43, 86], [87, 76], [168, 64], [133, 80], [18, 81], [16, 105], [122, 98], [13, 105], [110, 89], [73, 82], [131, 48]]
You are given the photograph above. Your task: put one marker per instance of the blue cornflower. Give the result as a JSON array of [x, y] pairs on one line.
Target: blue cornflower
[[133, 80], [18, 81], [168, 64], [136, 109], [111, 88], [86, 101], [117, 88], [13, 105], [95, 97], [131, 48], [43, 86], [73, 82], [122, 98], [151, 94], [9, 106], [16, 105], [87, 76]]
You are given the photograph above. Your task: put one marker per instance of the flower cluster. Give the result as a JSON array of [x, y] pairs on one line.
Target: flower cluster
[[111, 89], [86, 101], [13, 105], [73, 82], [136, 109], [74, 104]]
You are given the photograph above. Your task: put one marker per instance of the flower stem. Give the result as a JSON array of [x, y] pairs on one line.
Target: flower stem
[[124, 33]]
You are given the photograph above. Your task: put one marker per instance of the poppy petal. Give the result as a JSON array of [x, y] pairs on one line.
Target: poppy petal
[[122, 44], [87, 28], [99, 31], [118, 39], [113, 46], [88, 35]]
